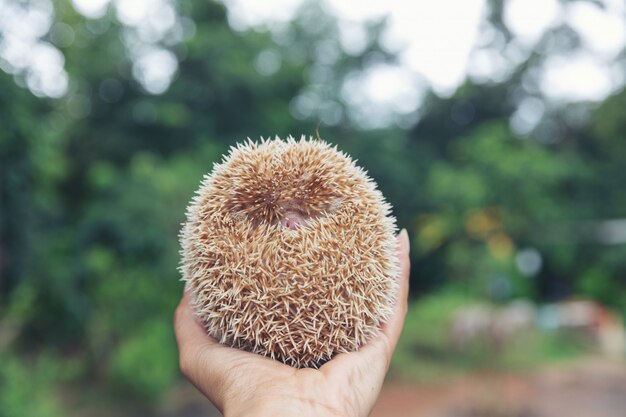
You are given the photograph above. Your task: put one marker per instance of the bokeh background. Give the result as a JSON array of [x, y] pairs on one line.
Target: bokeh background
[[495, 129]]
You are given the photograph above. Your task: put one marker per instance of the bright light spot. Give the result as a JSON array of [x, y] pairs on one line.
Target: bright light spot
[[527, 116], [244, 14], [158, 21], [45, 57], [93, 9], [16, 52], [155, 68], [162, 18], [39, 19], [50, 84], [488, 65], [612, 232], [602, 31], [46, 76], [29, 21], [304, 105], [353, 37], [615, 6], [149, 24], [379, 92], [439, 36], [22, 52], [132, 12], [578, 77], [529, 19], [364, 11], [392, 86], [327, 53], [267, 62], [433, 38], [529, 261]]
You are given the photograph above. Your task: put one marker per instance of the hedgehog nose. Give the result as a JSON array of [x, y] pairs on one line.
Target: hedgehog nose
[[292, 220]]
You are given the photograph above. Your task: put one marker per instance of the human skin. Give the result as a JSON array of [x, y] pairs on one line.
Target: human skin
[[244, 384]]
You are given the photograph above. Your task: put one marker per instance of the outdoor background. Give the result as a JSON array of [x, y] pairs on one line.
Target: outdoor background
[[495, 129]]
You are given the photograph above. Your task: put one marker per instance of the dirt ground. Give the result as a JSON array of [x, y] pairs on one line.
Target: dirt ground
[[590, 388], [593, 387]]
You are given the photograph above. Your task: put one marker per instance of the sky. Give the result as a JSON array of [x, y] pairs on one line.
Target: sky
[[437, 37], [439, 44]]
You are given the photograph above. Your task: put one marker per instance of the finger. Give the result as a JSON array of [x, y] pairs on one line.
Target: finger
[[378, 352], [383, 345], [193, 341], [212, 367], [189, 332], [393, 327], [199, 353], [369, 365]]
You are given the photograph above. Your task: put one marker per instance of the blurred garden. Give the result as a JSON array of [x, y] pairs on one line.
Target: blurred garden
[[510, 177]]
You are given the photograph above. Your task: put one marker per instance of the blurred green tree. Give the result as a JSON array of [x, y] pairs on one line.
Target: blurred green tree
[[94, 184]]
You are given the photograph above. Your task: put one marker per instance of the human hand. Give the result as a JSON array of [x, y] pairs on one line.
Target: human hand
[[242, 384]]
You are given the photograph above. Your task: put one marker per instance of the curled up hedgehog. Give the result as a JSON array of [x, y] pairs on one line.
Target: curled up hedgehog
[[289, 251]]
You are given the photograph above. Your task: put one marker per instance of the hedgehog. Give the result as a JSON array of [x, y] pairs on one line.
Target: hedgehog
[[289, 251]]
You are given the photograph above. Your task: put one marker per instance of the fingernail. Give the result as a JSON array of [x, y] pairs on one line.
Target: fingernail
[[404, 237]]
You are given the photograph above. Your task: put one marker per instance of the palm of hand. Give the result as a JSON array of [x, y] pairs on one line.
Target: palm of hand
[[240, 383]]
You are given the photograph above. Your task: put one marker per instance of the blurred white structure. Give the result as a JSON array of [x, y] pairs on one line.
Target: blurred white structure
[[489, 326], [494, 328], [601, 325]]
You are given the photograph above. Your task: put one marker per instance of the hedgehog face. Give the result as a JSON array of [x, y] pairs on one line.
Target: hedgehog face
[[289, 252], [293, 219]]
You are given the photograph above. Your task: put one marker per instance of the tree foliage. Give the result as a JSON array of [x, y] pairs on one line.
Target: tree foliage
[[94, 187]]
